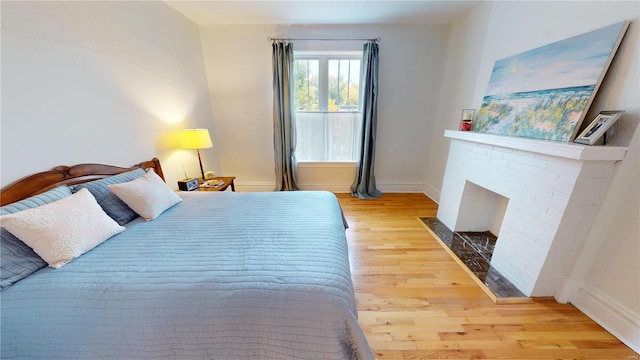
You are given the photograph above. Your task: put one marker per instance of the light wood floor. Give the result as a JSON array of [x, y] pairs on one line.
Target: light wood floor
[[415, 302]]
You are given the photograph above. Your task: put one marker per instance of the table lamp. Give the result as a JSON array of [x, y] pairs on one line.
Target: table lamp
[[196, 139]]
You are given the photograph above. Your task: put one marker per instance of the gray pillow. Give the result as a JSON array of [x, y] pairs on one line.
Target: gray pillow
[[17, 260], [36, 200], [110, 203]]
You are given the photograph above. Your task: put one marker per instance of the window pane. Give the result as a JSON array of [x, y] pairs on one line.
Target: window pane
[[306, 86], [327, 136], [342, 136], [344, 83], [310, 139]]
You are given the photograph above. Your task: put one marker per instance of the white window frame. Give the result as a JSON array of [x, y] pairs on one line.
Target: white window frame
[[323, 58]]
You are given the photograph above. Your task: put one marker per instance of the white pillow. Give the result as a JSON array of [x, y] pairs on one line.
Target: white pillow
[[148, 195], [64, 229]]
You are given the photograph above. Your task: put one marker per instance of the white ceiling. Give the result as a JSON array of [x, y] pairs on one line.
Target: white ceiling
[[217, 12]]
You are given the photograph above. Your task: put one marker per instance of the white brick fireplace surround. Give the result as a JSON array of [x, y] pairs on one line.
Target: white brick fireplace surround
[[553, 189]]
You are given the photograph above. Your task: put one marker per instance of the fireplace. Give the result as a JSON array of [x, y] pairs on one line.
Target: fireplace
[[538, 197]]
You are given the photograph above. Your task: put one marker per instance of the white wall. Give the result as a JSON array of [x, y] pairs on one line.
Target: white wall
[[101, 82], [238, 64], [603, 280], [466, 41]]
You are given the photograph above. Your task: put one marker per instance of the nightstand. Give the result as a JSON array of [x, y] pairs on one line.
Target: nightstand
[[226, 182]]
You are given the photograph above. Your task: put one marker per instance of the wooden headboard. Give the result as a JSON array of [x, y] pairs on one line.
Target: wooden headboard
[[67, 175]]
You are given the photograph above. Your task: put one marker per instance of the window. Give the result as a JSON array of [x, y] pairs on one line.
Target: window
[[327, 100]]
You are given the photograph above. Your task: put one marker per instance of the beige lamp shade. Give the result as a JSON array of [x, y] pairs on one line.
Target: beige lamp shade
[[195, 139]]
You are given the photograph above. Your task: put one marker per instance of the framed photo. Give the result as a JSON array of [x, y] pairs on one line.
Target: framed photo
[[598, 127]]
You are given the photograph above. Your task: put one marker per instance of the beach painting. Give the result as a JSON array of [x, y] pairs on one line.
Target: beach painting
[[545, 93]]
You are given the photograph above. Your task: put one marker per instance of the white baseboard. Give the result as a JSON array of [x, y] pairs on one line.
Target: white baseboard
[[397, 187], [567, 290], [346, 188], [432, 192], [255, 186], [615, 318], [385, 187], [334, 188], [266, 186]]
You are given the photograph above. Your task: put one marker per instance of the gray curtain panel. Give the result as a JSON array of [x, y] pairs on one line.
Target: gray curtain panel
[[284, 130], [364, 185]]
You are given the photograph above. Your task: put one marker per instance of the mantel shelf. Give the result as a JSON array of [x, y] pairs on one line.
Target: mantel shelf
[[554, 148]]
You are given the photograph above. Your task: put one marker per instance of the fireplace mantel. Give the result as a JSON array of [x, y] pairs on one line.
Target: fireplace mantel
[[554, 148]]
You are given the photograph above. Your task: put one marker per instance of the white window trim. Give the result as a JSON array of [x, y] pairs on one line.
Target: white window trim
[[327, 164]]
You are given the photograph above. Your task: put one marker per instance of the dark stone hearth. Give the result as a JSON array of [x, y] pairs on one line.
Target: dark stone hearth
[[474, 249]]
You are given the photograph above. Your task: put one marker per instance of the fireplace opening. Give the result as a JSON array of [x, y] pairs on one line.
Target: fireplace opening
[[481, 210], [474, 250], [475, 237]]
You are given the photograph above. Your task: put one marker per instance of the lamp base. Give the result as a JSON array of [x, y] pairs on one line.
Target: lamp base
[[200, 161]]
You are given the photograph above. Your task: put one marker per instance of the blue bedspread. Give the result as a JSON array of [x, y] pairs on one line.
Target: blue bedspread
[[218, 276]]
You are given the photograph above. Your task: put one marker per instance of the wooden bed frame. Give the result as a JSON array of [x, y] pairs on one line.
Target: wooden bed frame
[[67, 175]]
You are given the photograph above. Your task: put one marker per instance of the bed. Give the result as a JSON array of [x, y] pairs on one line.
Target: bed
[[219, 275]]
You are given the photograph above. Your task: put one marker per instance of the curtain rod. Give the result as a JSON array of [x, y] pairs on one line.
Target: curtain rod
[[316, 39]]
